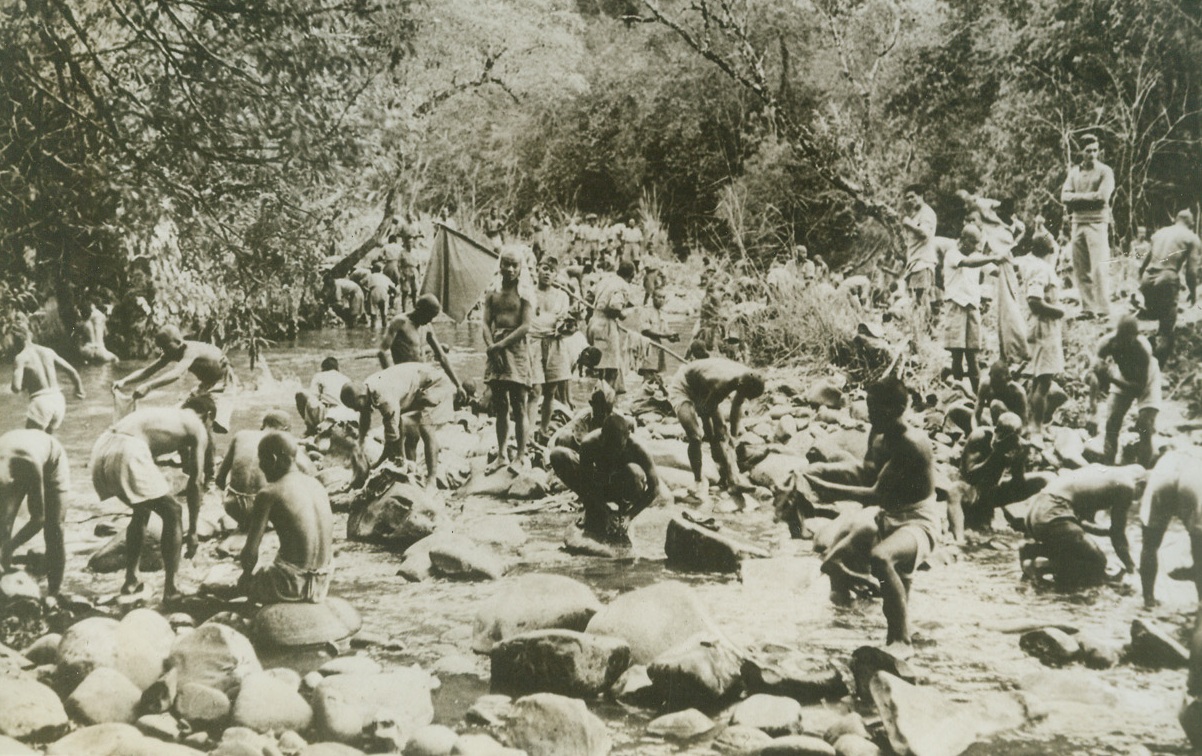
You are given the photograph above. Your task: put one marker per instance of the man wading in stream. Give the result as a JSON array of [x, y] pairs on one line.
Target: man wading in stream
[[898, 476]]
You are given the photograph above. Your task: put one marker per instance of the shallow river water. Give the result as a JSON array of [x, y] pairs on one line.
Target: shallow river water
[[965, 611]]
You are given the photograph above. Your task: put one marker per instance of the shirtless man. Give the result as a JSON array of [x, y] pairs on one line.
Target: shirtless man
[[1174, 490], [1137, 382], [1059, 517], [898, 476], [412, 388], [381, 291], [323, 398], [240, 476], [564, 449], [205, 361], [34, 468], [123, 465], [297, 506], [1172, 249], [96, 328], [617, 480], [402, 340], [34, 371], [1000, 389], [507, 317], [990, 453], [696, 393], [345, 298]]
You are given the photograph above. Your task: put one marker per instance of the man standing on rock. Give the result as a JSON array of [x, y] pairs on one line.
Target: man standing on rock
[[1059, 517], [240, 476], [507, 317], [962, 301], [297, 506], [1172, 249], [1137, 382], [34, 469], [921, 258], [1086, 195], [615, 480], [551, 364], [205, 361], [123, 465], [421, 391], [898, 476], [696, 393], [35, 370]]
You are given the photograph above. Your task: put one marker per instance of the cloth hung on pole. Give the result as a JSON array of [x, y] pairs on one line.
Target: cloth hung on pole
[[459, 271]]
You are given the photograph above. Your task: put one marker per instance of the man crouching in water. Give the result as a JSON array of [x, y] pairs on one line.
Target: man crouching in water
[[299, 509], [898, 476]]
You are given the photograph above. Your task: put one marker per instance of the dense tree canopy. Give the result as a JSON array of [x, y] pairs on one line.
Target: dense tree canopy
[[194, 161]]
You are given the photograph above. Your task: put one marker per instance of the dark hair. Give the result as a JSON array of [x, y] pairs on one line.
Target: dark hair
[[1089, 139], [329, 363], [1042, 246], [890, 392], [751, 385], [201, 404], [277, 420], [918, 189], [626, 269]]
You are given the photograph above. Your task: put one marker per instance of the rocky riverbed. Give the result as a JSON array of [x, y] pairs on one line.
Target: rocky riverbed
[[489, 635]]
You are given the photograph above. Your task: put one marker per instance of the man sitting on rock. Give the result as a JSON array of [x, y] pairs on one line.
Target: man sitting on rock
[[1174, 490], [616, 480], [240, 475], [696, 393], [297, 506], [999, 393], [422, 393], [1059, 517], [898, 475], [123, 465], [34, 468]]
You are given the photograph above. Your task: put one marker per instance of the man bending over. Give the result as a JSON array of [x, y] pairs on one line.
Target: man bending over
[[33, 468]]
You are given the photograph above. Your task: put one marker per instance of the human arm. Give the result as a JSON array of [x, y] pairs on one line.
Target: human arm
[[227, 464], [486, 322], [18, 374], [390, 333], [139, 375], [1042, 309], [172, 375], [1118, 533], [72, 373], [641, 458], [196, 481], [259, 516], [441, 355], [736, 414]]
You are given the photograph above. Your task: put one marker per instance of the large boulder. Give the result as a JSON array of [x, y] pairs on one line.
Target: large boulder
[[690, 546], [653, 620], [792, 675], [400, 517], [201, 705], [1152, 646], [461, 558], [545, 724], [1050, 645], [345, 707], [111, 556], [681, 725], [144, 643], [558, 661], [10, 747], [701, 672], [214, 655], [29, 709], [98, 740], [44, 650], [532, 602], [86, 645], [296, 624], [265, 703], [922, 722], [866, 661], [431, 740], [104, 696], [775, 715], [138, 647]]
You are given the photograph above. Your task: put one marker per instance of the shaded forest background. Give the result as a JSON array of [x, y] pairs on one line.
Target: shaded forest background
[[193, 161]]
